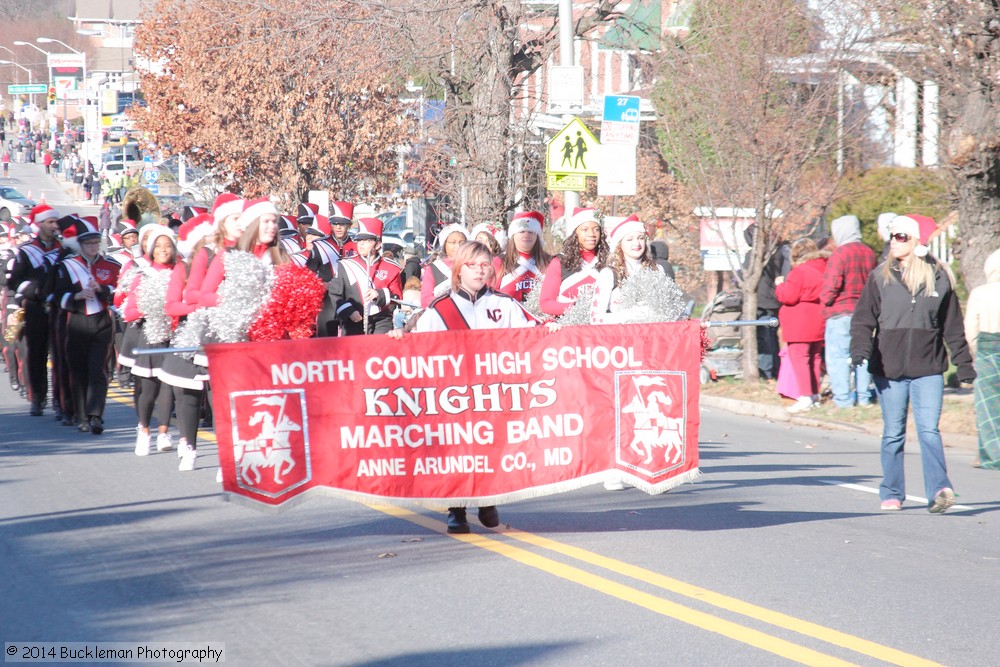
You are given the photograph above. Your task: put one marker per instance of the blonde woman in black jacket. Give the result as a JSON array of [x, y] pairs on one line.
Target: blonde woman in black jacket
[[907, 312]]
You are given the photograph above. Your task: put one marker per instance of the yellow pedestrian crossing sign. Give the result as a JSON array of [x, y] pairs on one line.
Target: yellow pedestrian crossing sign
[[573, 151]]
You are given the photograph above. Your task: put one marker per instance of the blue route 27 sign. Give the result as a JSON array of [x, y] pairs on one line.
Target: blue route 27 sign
[[620, 124]]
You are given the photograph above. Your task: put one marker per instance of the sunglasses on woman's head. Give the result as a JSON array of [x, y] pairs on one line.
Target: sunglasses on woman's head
[[900, 237]]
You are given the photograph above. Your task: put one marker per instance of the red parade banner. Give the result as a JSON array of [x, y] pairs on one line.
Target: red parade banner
[[460, 417]]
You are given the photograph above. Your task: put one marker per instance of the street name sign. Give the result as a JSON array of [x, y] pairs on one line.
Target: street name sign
[[27, 89]]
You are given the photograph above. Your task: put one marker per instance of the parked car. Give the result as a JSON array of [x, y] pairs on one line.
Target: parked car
[[115, 133], [13, 203]]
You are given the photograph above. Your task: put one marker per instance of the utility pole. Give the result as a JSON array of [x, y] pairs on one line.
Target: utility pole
[[567, 58]]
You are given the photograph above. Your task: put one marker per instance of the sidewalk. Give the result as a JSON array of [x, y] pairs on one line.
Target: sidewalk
[[958, 441]]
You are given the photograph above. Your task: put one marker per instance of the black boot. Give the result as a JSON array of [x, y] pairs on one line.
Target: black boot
[[457, 523], [489, 516]]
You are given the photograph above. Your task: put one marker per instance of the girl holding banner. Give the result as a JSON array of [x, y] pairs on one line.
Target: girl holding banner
[[472, 304]]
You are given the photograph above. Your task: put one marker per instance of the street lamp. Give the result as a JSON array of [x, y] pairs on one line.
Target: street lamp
[[31, 96], [48, 40], [47, 54]]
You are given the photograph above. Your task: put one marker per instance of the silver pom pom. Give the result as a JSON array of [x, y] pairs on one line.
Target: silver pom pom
[[150, 300], [579, 311], [652, 296]]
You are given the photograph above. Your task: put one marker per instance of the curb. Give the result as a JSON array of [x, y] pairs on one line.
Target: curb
[[779, 414]]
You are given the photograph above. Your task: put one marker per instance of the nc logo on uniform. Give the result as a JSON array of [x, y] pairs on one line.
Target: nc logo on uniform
[[650, 420], [103, 275], [381, 274], [494, 314], [270, 441]]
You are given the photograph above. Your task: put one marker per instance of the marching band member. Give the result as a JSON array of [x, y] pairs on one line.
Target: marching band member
[[630, 253], [524, 260], [584, 253], [30, 279], [366, 284], [323, 258], [188, 378], [84, 287], [341, 215], [472, 304], [436, 277], [144, 305], [8, 248]]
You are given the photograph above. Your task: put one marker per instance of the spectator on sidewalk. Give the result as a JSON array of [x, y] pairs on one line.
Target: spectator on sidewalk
[[47, 161], [982, 329], [5, 159], [908, 310], [846, 274], [801, 318]]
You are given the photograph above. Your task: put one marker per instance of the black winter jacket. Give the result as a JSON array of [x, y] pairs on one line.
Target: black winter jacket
[[902, 335]]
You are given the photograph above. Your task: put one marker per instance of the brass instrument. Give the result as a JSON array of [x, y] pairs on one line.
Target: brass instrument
[[140, 206]]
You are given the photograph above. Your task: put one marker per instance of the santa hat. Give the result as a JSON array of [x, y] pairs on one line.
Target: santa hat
[[253, 209], [146, 230], [41, 213], [579, 217], [155, 232], [493, 229], [306, 212], [193, 231], [341, 213], [368, 228], [525, 221], [226, 204], [189, 212], [319, 226], [883, 224], [447, 231], [919, 227], [617, 231]]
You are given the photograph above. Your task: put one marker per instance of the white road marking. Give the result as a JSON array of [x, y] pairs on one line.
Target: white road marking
[[916, 499]]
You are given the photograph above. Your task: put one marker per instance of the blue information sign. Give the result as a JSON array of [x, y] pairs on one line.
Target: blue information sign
[[621, 108]]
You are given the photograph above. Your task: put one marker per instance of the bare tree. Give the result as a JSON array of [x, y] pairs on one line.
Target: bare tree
[[748, 105], [276, 98], [957, 46]]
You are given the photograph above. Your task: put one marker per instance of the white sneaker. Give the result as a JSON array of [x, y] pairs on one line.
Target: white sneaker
[[164, 443], [188, 456], [141, 442], [804, 403]]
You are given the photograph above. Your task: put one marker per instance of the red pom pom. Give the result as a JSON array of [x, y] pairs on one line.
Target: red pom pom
[[294, 303], [706, 343]]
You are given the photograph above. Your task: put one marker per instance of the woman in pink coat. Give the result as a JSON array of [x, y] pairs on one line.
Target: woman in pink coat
[[801, 318]]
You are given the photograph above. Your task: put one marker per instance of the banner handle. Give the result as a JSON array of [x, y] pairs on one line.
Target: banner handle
[[765, 322], [139, 351]]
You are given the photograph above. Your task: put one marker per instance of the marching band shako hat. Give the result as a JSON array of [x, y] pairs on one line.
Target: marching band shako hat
[[342, 212], [620, 230], [319, 226], [127, 227], [369, 228], [77, 232], [287, 225], [525, 221], [305, 212], [579, 217], [919, 227], [189, 212], [192, 231], [226, 204], [253, 209]]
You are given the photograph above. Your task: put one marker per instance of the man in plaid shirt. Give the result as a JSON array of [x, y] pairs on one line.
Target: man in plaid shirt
[[847, 272]]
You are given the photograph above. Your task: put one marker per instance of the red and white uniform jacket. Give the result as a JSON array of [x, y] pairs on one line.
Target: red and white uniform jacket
[[559, 288], [354, 278], [75, 274], [525, 276], [435, 280], [31, 272], [344, 250], [460, 310]]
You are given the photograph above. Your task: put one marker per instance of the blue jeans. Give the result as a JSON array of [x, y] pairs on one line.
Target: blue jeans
[[926, 394], [839, 368]]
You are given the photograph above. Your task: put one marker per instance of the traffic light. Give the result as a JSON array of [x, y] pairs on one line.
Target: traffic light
[[52, 94]]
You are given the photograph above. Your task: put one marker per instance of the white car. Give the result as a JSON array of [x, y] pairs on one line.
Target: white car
[[13, 203]]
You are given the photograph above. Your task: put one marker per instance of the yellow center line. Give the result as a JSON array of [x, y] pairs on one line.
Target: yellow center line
[[769, 616], [735, 631]]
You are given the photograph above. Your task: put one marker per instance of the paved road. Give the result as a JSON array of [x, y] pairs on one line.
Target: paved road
[[779, 555], [31, 180]]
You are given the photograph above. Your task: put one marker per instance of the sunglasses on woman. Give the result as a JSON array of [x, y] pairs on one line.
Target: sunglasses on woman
[[900, 237]]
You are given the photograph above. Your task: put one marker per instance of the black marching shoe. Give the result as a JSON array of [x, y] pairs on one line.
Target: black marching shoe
[[36, 410], [84, 426], [489, 516], [96, 425], [457, 523]]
